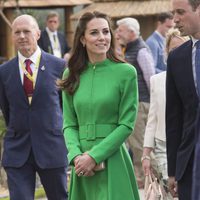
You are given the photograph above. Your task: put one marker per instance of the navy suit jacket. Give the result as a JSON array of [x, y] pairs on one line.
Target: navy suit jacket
[[181, 110], [38, 126], [196, 174], [45, 43]]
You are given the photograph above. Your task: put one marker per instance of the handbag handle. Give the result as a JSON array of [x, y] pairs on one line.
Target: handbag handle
[[152, 185]]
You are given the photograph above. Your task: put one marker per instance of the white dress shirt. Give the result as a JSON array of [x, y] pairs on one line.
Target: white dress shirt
[[33, 58]]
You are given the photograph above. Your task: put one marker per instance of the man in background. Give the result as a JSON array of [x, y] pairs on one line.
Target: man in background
[[51, 40], [138, 54], [156, 41]]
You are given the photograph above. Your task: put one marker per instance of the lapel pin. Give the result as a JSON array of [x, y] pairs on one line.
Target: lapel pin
[[43, 68]]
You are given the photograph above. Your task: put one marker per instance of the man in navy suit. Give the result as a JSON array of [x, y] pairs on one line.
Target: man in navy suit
[[29, 101], [51, 40], [182, 99]]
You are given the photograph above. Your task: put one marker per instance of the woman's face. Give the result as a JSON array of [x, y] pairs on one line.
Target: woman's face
[[97, 39], [175, 42]]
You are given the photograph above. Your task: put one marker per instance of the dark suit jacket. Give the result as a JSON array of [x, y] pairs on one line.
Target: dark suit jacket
[[181, 109], [45, 43], [196, 174], [37, 126]]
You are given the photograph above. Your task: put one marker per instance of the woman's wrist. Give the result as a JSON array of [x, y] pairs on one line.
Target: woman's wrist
[[145, 157]]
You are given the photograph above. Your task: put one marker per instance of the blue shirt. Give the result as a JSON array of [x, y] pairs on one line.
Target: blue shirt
[[156, 43]]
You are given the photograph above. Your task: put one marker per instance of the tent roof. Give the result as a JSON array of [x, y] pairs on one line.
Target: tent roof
[[119, 9], [44, 3]]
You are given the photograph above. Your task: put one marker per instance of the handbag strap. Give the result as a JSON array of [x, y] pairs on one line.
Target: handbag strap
[[155, 184]]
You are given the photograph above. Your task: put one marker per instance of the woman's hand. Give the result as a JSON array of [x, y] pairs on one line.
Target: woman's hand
[[146, 160], [84, 165], [76, 159], [146, 165]]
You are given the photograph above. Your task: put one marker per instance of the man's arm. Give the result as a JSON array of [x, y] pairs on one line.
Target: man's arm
[[146, 64], [154, 50], [3, 100], [174, 117]]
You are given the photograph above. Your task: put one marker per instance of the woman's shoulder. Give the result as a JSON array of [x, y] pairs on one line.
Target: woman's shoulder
[[124, 68]]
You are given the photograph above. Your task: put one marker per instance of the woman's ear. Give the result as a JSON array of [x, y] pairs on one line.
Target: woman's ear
[[83, 41]]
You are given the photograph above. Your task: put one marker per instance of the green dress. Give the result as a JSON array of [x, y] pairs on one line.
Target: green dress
[[98, 118]]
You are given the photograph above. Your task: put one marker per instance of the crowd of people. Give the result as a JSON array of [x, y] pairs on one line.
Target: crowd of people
[[114, 107]]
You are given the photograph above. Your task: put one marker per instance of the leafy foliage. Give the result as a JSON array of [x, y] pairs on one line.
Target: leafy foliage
[[2, 126]]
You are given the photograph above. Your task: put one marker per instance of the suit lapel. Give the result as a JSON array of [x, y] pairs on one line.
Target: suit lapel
[[40, 76], [187, 71], [16, 79], [47, 40], [61, 44]]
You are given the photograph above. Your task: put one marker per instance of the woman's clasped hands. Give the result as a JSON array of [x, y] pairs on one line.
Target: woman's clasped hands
[[84, 165]]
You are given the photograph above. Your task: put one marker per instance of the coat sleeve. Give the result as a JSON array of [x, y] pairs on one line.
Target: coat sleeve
[[150, 131], [70, 125], [3, 99], [126, 120]]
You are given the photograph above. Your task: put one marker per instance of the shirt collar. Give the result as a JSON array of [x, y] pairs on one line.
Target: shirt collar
[[194, 40], [159, 34], [50, 32], [33, 57]]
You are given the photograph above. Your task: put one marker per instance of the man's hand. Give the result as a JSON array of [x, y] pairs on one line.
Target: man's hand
[[173, 188]]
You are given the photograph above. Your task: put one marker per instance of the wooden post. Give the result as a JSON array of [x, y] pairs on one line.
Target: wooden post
[[68, 25], [9, 46], [147, 25]]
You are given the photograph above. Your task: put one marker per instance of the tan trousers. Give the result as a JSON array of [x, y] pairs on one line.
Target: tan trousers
[[135, 141]]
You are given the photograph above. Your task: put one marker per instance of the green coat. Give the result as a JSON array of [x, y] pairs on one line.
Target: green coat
[[98, 118]]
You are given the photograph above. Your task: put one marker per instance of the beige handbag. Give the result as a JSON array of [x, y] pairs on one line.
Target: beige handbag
[[152, 188]]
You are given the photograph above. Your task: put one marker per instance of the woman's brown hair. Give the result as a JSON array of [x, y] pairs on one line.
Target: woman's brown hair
[[79, 58]]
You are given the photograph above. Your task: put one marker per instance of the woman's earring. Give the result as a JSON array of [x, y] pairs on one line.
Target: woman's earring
[[84, 45]]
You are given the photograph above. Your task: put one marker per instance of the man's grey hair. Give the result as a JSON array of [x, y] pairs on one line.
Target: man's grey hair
[[131, 24], [194, 3], [27, 17]]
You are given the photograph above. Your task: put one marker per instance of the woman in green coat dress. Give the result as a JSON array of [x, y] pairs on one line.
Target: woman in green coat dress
[[100, 100]]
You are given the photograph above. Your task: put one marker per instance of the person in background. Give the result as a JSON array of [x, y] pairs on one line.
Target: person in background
[[138, 54], [29, 101], [155, 136], [53, 41], [156, 41], [182, 99], [119, 47], [100, 100]]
